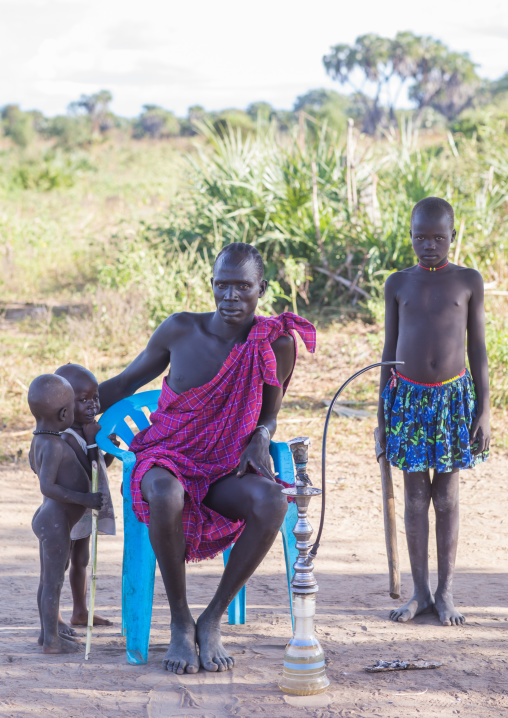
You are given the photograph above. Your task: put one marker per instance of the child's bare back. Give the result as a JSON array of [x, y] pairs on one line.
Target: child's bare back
[[65, 486]]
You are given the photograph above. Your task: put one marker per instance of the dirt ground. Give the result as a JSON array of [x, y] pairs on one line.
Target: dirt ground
[[352, 605], [351, 621]]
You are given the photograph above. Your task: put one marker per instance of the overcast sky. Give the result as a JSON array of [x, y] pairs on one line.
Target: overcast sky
[[216, 53]]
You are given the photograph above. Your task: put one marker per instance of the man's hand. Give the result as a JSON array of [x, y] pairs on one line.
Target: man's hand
[[479, 435], [257, 457]]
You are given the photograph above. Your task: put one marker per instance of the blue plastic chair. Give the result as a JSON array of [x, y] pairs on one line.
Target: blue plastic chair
[[138, 570]]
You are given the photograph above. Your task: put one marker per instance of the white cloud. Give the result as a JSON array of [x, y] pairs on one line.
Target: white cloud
[[219, 54]]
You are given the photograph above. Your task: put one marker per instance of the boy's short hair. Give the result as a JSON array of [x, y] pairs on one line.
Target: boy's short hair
[[241, 252], [434, 205], [47, 393]]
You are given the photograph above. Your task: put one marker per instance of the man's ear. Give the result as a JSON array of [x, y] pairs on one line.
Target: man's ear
[[454, 234], [211, 281], [62, 414], [411, 233], [263, 284]]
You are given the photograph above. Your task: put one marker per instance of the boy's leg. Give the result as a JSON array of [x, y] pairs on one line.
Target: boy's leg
[[55, 545], [445, 497], [63, 629], [39, 594], [417, 495], [165, 496], [80, 556]]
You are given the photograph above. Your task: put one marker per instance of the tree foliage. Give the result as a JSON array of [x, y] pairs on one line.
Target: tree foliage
[[96, 107], [377, 69], [18, 125], [156, 122]]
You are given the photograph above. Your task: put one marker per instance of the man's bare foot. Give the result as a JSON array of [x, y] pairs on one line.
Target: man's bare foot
[[417, 604], [445, 609], [212, 654], [81, 619], [182, 655], [62, 645]]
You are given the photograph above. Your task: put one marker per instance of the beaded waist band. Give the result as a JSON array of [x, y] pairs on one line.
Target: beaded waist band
[[396, 376]]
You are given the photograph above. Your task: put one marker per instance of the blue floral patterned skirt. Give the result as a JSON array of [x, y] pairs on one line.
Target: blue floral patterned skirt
[[427, 426]]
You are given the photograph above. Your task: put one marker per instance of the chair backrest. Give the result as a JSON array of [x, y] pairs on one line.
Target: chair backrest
[[113, 421]]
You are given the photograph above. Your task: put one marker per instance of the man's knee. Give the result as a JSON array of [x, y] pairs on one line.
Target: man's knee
[[163, 493], [269, 504]]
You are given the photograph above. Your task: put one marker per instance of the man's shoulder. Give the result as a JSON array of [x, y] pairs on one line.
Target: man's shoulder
[[283, 343], [183, 322], [284, 348]]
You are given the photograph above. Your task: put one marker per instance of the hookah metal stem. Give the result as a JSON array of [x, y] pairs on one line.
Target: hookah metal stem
[[315, 547]]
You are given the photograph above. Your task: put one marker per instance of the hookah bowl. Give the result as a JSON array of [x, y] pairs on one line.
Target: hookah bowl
[[304, 660]]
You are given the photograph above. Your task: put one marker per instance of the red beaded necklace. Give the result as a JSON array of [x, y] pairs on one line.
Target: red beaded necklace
[[433, 269]]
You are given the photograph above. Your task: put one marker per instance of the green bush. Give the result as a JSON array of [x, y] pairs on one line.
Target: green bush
[[46, 172]]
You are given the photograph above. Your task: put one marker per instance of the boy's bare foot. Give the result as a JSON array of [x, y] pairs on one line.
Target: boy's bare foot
[[61, 626], [62, 645], [81, 619], [445, 609], [212, 654], [64, 629], [417, 604], [182, 655]]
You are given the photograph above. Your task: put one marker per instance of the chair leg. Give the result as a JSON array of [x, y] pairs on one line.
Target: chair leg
[[290, 550], [137, 584], [236, 609]]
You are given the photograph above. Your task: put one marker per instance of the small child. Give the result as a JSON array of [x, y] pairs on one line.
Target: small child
[[66, 490], [433, 414], [81, 437]]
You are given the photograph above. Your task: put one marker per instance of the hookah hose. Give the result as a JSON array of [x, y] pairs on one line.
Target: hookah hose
[[315, 546]]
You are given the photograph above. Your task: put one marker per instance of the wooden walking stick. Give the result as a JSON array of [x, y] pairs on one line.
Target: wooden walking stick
[[389, 516], [91, 602]]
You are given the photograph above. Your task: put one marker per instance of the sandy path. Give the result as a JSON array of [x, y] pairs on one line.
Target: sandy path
[[352, 624]]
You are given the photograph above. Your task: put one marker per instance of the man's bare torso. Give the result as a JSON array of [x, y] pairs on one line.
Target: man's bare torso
[[197, 354]]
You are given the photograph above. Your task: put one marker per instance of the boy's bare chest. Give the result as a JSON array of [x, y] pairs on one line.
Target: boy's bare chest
[[433, 299]]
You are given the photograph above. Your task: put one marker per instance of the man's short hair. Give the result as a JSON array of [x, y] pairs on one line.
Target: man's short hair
[[240, 252], [434, 205]]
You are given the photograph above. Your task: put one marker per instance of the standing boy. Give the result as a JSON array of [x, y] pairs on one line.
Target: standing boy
[[435, 414], [86, 407], [66, 490]]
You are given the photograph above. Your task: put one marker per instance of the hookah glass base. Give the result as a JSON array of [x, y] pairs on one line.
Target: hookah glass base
[[304, 660]]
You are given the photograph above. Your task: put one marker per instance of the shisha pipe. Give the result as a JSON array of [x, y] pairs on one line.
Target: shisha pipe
[[304, 659], [315, 547]]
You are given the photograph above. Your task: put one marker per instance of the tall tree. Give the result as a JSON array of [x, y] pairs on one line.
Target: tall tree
[[96, 107], [377, 68]]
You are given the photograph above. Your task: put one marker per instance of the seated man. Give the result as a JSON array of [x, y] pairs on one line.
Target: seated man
[[202, 478]]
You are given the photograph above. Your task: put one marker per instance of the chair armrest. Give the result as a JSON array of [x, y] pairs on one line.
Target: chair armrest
[[107, 445], [283, 461]]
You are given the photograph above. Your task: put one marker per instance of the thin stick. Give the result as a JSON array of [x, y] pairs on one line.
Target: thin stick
[[91, 603], [459, 242]]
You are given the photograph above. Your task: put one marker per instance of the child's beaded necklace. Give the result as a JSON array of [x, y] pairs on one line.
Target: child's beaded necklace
[[433, 269]]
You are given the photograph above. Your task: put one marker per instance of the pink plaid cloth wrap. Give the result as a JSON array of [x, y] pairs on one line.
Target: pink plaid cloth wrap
[[199, 435]]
